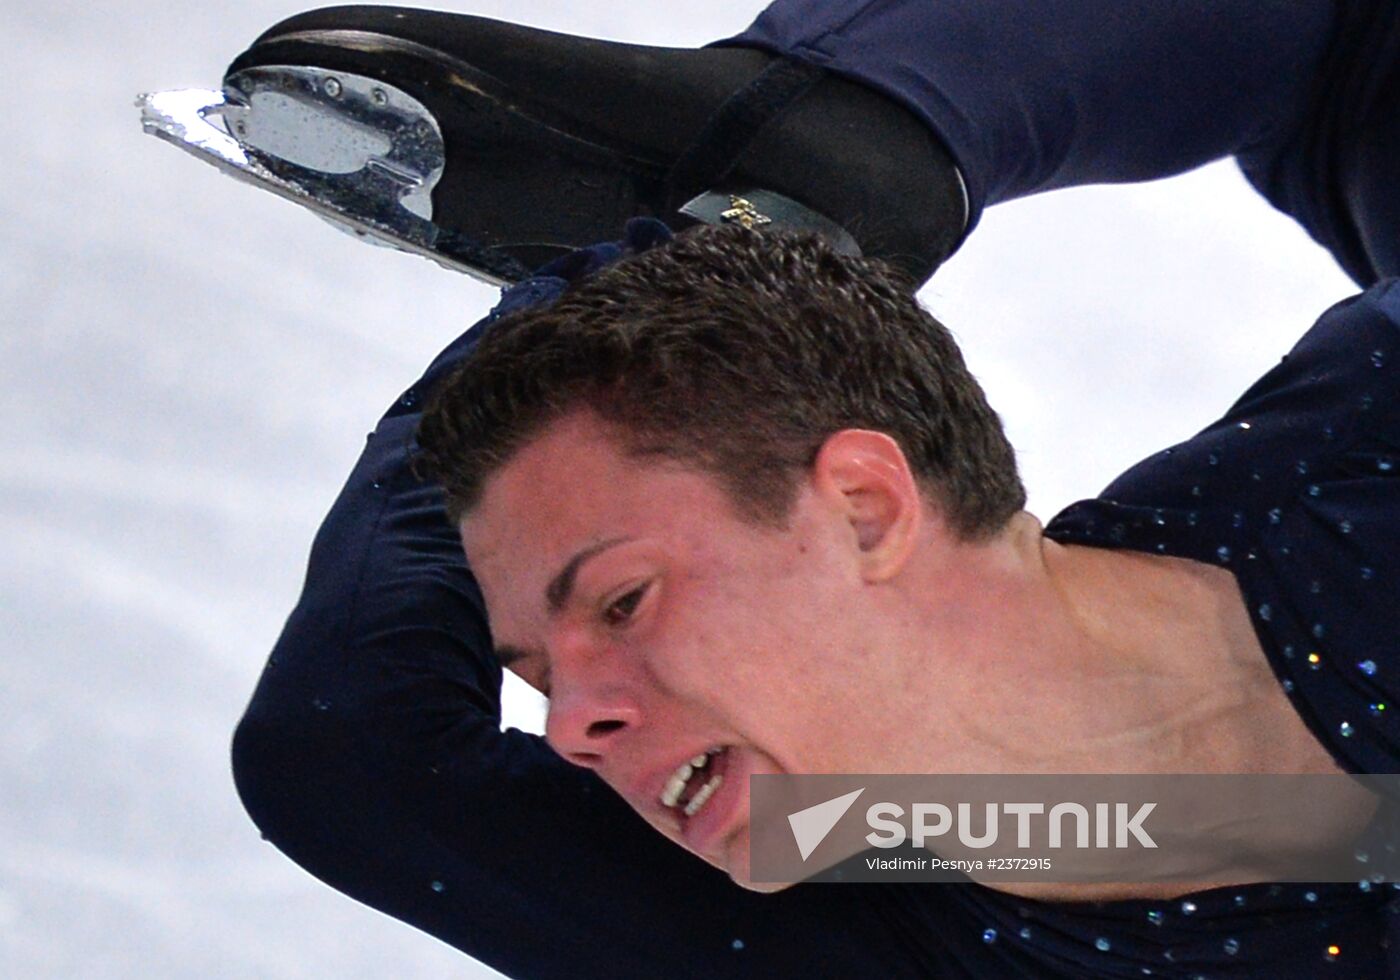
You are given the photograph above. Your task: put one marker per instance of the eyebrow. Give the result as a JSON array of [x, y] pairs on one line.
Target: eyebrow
[[507, 654], [556, 596], [557, 592]]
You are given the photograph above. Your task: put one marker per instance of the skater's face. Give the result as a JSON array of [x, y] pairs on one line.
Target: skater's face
[[662, 625]]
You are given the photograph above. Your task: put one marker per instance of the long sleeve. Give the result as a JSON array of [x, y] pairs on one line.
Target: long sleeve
[[1029, 97]]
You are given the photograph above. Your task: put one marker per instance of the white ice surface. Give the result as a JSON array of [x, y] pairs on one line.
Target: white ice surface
[[187, 370]]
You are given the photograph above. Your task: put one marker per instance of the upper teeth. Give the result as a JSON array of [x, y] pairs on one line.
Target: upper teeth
[[675, 786]]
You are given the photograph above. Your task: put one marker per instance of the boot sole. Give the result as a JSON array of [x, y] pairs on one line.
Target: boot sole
[[519, 182]]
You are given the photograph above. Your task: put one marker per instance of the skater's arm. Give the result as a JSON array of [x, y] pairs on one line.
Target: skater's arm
[[371, 754]]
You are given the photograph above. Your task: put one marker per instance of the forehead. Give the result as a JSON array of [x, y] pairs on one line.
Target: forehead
[[573, 487]]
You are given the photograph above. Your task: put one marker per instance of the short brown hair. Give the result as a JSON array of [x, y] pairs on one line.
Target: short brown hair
[[739, 353]]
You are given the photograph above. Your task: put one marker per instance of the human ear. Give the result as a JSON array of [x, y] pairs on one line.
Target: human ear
[[865, 476]]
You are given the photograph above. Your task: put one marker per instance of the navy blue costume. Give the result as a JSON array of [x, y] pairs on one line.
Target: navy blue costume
[[371, 752]]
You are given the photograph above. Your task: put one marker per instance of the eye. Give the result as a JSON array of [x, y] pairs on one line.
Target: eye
[[620, 610]]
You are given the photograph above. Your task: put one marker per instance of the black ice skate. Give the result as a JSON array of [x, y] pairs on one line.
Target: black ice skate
[[493, 148]]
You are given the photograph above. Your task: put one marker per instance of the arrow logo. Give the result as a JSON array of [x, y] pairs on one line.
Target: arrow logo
[[810, 826]]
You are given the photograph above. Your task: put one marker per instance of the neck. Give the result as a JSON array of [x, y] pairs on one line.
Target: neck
[[1049, 658], [1039, 658]]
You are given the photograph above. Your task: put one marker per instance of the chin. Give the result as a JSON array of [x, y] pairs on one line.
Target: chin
[[763, 887], [735, 863]]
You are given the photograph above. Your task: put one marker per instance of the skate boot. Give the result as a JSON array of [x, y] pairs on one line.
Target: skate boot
[[494, 148]]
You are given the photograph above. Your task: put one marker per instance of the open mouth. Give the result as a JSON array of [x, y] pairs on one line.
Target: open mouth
[[693, 783]]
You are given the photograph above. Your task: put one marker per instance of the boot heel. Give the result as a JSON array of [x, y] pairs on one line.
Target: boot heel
[[347, 139], [754, 208], [358, 152]]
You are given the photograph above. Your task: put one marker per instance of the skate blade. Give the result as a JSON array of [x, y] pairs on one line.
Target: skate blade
[[360, 154]]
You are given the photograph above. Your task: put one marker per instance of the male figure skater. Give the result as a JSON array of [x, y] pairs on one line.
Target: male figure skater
[[670, 591]]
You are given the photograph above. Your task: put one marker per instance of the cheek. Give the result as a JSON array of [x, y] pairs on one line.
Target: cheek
[[745, 635], [706, 641], [755, 640]]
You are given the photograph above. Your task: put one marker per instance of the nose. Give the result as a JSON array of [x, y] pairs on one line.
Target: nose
[[586, 721]]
